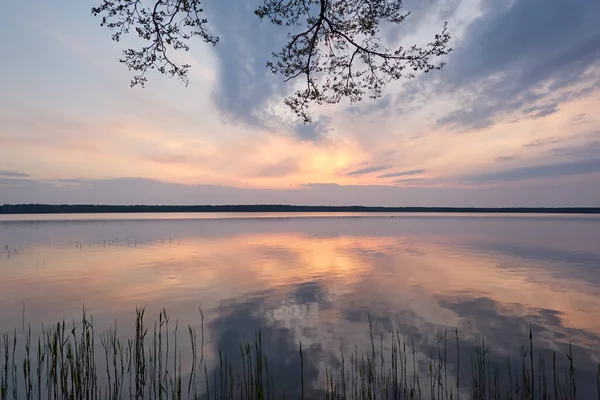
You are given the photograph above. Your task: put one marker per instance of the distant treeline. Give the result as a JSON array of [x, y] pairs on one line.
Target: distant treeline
[[262, 208]]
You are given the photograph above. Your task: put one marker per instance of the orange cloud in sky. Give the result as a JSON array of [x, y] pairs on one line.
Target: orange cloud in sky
[[133, 147], [73, 115]]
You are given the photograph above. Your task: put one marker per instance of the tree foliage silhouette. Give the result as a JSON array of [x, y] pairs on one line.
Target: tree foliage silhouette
[[335, 46]]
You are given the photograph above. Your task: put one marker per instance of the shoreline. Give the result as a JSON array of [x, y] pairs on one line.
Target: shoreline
[[19, 209]]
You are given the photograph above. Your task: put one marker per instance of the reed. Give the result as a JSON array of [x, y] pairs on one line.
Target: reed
[[66, 362]]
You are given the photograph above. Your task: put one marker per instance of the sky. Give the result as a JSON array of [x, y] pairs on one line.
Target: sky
[[511, 120]]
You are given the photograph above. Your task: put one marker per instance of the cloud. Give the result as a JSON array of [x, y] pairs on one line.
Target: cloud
[[409, 180], [587, 150], [13, 174], [536, 172], [246, 87], [13, 181], [543, 142], [169, 158], [369, 170], [403, 173], [542, 111], [584, 192], [517, 55], [422, 11], [314, 131], [579, 119], [370, 107], [280, 169], [73, 181], [505, 158], [246, 91], [321, 185]]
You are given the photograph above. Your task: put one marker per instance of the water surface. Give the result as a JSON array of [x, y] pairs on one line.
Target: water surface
[[315, 278]]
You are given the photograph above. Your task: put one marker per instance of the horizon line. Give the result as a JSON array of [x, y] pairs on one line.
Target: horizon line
[[37, 208]]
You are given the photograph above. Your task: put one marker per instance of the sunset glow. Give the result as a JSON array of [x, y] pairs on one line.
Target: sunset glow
[[475, 128]]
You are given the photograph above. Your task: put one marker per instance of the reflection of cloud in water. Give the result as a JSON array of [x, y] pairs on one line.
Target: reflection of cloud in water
[[567, 264], [288, 319], [506, 326], [316, 282], [370, 269], [238, 323]]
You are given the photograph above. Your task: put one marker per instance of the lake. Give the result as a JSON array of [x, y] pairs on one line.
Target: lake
[[315, 279]]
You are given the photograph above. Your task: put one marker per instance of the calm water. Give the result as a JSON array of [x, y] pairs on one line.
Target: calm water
[[315, 278]]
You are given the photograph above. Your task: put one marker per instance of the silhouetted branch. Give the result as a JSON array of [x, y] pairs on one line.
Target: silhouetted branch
[[344, 32], [166, 25], [339, 51]]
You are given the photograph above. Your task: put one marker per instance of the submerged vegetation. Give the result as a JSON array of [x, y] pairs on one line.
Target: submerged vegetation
[[74, 361]]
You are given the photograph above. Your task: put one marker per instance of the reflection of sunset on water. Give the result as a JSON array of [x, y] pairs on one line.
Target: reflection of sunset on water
[[316, 280], [394, 272]]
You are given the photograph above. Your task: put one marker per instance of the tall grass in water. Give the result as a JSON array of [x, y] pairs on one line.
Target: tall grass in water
[[73, 361]]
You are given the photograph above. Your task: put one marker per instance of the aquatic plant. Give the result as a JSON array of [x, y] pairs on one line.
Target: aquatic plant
[[66, 361]]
